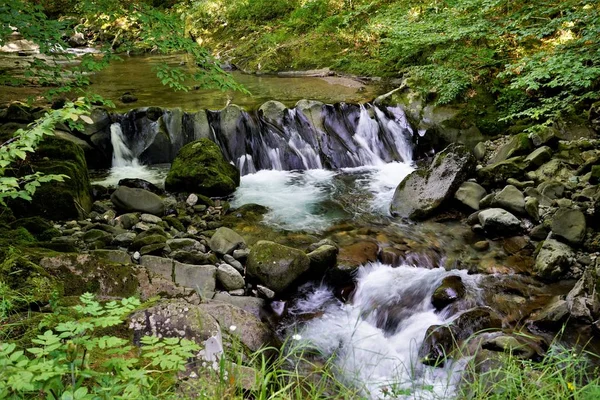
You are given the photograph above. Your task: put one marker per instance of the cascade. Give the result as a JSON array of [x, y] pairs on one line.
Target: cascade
[[122, 155]]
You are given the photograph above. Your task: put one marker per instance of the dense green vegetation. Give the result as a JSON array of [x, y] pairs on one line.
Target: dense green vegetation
[[540, 60]]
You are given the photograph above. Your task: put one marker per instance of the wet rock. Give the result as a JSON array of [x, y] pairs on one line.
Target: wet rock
[[450, 290], [265, 292], [510, 198], [127, 98], [115, 256], [441, 341], [229, 277], [497, 221], [482, 245], [470, 194], [357, 254], [128, 199], [225, 241], [157, 249], [554, 260], [569, 225], [201, 168], [323, 258], [276, 266], [392, 256], [423, 191], [322, 242]]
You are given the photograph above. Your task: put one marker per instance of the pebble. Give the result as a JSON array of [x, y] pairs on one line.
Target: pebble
[[192, 200]]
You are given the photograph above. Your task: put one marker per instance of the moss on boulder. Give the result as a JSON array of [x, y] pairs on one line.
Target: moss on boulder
[[201, 168]]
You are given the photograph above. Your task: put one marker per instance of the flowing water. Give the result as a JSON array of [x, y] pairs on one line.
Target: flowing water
[[384, 363]]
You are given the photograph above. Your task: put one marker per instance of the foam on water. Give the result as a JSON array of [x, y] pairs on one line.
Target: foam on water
[[382, 363]]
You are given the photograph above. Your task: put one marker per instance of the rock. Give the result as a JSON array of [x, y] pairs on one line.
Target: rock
[[157, 249], [127, 98], [175, 318], [225, 241], [192, 200], [357, 254], [128, 199], [497, 174], [233, 262], [275, 265], [583, 301], [96, 235], [551, 189], [201, 168], [569, 224], [265, 292], [124, 239], [241, 254], [249, 329], [186, 244], [497, 221], [510, 198], [539, 156], [253, 305], [595, 175], [479, 151], [552, 315], [150, 219], [158, 265], [423, 191], [127, 221], [532, 206], [470, 194], [137, 183], [553, 260], [146, 240], [57, 201], [115, 256], [323, 258], [229, 277], [518, 145], [450, 290], [199, 277], [482, 245]]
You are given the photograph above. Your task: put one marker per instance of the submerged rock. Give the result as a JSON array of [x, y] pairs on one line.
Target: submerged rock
[[275, 265], [451, 290], [423, 191], [201, 168]]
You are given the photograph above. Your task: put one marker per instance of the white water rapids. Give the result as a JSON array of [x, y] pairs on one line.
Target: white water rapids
[[383, 364]]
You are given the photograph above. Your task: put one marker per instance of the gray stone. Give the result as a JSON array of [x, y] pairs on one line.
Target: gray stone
[[265, 292], [200, 277], [553, 313], [96, 235], [186, 244], [583, 301], [532, 207], [479, 151], [498, 221], [253, 305], [569, 224], [553, 260], [487, 201], [241, 254], [551, 189], [124, 239], [510, 198], [158, 265], [520, 184], [423, 191], [470, 194], [233, 262], [128, 199], [150, 219], [539, 156], [192, 200], [498, 173], [230, 278], [225, 241], [275, 265]]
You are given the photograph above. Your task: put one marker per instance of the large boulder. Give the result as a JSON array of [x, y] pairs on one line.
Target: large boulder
[[70, 199], [201, 168], [423, 191], [129, 199], [275, 265], [553, 260]]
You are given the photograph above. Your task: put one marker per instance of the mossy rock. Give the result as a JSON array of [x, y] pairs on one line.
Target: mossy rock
[[81, 273], [71, 199], [201, 168], [40, 228]]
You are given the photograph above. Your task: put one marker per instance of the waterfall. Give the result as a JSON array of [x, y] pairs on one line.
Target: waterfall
[[122, 155]]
